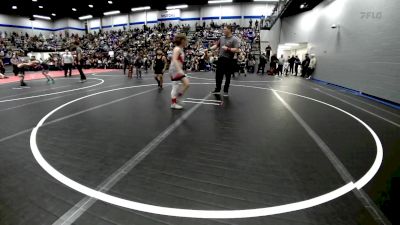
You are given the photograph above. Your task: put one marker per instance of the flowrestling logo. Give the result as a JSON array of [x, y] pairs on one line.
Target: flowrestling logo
[[371, 15], [172, 13]]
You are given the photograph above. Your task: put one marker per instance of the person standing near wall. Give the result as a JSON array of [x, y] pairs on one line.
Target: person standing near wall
[[286, 66], [67, 62], [261, 65], [274, 61], [268, 52], [80, 61], [228, 45], [262, 22], [304, 66], [311, 67], [281, 61], [296, 65], [291, 64]]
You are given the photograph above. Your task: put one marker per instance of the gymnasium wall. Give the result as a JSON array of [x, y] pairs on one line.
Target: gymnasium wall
[[225, 13], [271, 37], [362, 54], [70, 25], [191, 16], [22, 24]]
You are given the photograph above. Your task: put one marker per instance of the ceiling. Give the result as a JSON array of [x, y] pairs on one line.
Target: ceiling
[[63, 8], [294, 8]]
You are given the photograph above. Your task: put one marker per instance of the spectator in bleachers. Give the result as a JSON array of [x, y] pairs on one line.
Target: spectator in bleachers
[[242, 64], [96, 46], [251, 63]]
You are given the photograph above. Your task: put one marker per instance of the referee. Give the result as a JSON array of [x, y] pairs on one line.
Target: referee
[[67, 61], [228, 45], [80, 60]]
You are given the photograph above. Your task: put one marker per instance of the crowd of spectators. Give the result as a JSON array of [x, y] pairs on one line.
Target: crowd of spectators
[[110, 49]]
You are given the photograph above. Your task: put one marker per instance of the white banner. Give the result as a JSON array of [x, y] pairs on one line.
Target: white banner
[[173, 13]]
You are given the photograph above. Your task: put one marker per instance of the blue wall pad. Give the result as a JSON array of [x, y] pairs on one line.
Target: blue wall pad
[[359, 93]]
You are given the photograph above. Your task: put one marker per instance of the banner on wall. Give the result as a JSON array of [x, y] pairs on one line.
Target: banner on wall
[[167, 14]]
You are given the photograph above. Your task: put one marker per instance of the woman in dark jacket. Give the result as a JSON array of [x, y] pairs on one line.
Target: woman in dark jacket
[[274, 61]]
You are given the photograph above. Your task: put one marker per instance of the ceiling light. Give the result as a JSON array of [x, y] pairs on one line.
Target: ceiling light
[[265, 0], [90, 6], [177, 7], [34, 0], [302, 6], [14, 7], [85, 17], [112, 13], [73, 9], [110, 2], [141, 8], [219, 1], [40, 7], [292, 44], [53, 14], [42, 17]]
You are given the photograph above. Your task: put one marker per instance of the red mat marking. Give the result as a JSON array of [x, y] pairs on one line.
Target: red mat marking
[[38, 75]]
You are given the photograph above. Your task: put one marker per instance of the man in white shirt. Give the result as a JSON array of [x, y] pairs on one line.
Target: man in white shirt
[[280, 65], [67, 62], [311, 67]]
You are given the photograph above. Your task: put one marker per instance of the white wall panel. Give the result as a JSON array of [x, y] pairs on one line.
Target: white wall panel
[[362, 54]]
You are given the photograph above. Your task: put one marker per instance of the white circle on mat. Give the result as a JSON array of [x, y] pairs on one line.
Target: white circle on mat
[[55, 93], [214, 214]]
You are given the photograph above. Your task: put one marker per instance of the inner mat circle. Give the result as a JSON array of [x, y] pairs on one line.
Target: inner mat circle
[[216, 214]]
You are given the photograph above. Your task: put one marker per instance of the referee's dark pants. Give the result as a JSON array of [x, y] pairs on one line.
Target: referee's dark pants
[[67, 67], [126, 66], [79, 67], [225, 68], [15, 70]]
